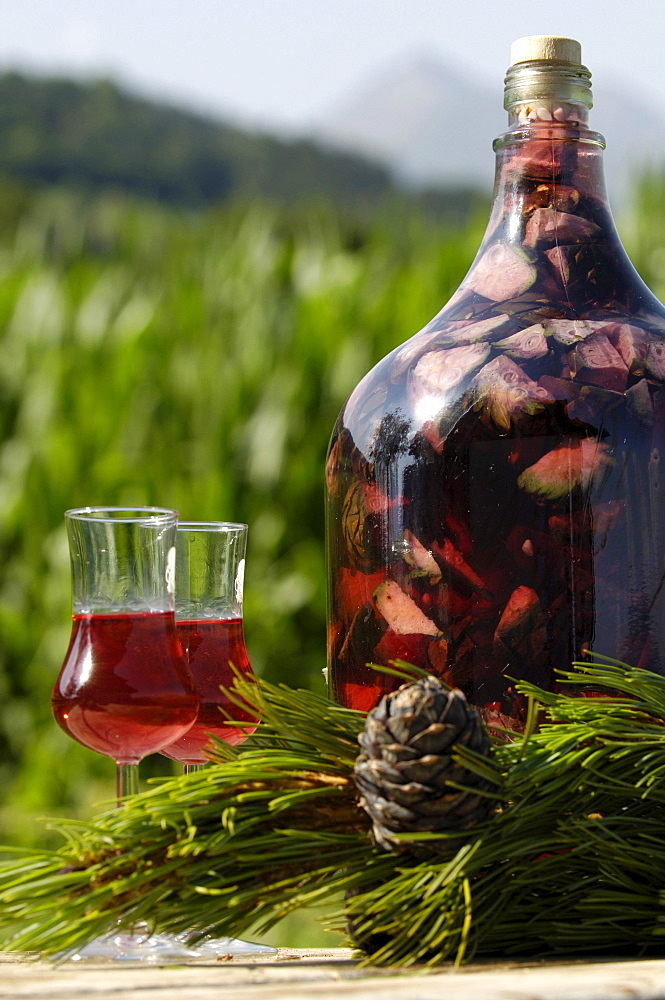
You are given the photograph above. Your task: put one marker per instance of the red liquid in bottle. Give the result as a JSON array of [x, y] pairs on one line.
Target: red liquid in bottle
[[212, 647], [495, 509], [124, 689]]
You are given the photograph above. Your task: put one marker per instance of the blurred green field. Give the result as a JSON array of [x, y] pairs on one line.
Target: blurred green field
[[197, 361], [188, 360]]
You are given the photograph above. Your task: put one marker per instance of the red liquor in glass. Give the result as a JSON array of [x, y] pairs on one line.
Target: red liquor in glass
[[123, 689], [214, 649]]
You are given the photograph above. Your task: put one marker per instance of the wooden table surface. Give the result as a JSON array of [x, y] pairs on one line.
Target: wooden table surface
[[294, 974]]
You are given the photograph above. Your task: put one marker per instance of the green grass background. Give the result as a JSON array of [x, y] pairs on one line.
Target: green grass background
[[195, 360]]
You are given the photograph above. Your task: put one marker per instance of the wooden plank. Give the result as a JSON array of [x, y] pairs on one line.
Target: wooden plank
[[330, 975]]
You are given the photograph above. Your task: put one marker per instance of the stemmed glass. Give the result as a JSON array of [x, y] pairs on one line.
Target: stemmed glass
[[124, 689], [210, 567]]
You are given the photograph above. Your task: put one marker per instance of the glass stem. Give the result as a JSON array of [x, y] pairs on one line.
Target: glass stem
[[190, 768], [127, 780]]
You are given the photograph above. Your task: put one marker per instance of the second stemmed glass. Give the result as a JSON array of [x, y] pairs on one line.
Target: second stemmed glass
[[210, 569]]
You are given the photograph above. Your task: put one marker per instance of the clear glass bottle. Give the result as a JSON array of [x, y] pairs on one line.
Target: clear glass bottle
[[495, 504]]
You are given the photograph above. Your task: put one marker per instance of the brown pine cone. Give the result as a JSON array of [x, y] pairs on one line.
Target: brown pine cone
[[406, 766]]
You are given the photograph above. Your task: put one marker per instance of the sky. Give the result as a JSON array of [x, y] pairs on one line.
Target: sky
[[282, 63]]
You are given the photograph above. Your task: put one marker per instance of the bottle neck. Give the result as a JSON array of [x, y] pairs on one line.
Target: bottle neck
[[550, 186], [549, 176], [551, 246], [548, 91]]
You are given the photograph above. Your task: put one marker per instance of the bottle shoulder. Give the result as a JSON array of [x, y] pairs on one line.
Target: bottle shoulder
[[511, 360], [550, 311]]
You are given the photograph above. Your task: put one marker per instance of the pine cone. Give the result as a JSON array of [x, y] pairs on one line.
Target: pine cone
[[406, 764]]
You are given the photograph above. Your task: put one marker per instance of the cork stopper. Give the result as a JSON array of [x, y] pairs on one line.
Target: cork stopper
[[552, 48], [546, 82]]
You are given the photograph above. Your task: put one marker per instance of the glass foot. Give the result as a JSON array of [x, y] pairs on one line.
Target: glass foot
[[137, 947], [210, 947], [162, 948]]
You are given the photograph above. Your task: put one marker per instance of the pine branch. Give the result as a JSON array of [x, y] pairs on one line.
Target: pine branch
[[571, 860], [575, 860], [219, 851]]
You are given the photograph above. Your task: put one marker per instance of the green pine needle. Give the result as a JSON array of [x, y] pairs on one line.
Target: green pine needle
[[571, 861]]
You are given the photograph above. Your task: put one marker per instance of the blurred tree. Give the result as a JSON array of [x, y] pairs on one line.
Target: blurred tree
[[95, 135]]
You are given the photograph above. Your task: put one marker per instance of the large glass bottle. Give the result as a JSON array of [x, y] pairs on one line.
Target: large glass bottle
[[495, 503]]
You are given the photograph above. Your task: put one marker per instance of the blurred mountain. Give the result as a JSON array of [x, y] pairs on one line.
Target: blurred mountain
[[95, 135], [434, 124], [429, 122], [417, 134]]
